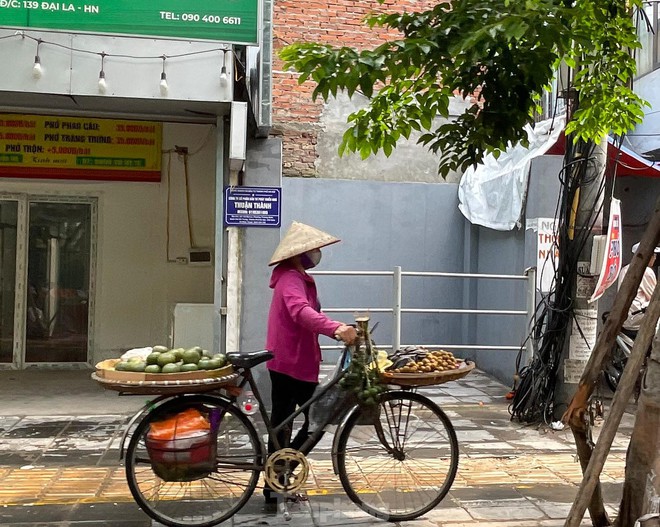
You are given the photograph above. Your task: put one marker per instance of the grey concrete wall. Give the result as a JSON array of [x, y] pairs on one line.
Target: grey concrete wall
[[413, 225], [382, 225], [263, 168], [408, 162], [638, 196], [511, 252]]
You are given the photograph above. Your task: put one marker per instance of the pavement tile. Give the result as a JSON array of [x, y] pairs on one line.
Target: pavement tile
[[450, 514], [475, 435], [489, 445], [553, 510], [22, 444], [504, 510], [481, 523], [7, 423], [510, 475]]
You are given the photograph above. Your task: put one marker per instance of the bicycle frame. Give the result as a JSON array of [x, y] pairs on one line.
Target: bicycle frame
[[247, 378], [317, 434]]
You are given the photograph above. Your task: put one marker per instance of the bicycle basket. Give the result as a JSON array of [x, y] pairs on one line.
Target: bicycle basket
[[182, 447]]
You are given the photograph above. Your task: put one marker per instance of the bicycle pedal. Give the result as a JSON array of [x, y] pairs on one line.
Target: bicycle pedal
[[298, 498]]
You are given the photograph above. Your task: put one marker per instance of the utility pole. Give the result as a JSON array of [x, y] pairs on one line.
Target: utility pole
[[586, 221]]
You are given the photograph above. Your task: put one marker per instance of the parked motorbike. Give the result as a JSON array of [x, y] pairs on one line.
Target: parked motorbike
[[613, 369], [619, 357]]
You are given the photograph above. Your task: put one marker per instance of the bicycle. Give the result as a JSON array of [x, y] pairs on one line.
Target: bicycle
[[395, 460]]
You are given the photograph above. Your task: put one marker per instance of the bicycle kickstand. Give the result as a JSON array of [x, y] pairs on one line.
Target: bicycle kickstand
[[284, 510]]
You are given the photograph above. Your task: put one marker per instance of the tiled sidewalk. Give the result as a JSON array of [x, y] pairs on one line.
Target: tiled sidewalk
[[508, 475]]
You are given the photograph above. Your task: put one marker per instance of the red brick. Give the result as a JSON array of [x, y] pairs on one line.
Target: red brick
[[296, 117]]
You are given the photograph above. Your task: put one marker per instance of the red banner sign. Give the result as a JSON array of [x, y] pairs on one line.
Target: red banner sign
[[609, 271]]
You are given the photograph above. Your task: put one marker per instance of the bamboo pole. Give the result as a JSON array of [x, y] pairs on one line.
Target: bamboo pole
[[622, 395], [643, 457], [576, 414]]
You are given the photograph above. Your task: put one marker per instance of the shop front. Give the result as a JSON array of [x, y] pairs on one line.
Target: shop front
[[114, 152]]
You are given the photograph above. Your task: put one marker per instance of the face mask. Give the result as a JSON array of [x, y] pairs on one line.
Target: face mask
[[310, 258]]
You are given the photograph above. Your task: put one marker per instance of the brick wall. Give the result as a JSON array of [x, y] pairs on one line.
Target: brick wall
[[338, 22]]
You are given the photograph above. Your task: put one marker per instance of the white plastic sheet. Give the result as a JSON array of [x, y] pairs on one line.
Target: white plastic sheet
[[493, 193]]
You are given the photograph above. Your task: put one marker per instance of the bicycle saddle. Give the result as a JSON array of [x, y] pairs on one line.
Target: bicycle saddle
[[249, 360]]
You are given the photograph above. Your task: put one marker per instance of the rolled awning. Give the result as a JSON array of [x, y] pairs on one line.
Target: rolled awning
[[625, 161]]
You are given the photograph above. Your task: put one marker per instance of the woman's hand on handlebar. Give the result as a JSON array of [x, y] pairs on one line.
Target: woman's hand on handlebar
[[347, 334]]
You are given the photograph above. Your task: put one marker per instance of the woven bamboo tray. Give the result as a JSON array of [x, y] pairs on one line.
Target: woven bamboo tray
[[165, 387], [427, 379]]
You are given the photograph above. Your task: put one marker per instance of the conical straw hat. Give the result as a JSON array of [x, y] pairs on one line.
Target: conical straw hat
[[299, 239]]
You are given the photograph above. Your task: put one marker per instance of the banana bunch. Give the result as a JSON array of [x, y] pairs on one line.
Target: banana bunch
[[381, 361]]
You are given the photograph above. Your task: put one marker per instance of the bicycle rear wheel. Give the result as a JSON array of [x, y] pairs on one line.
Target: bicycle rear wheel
[[399, 463], [165, 487]]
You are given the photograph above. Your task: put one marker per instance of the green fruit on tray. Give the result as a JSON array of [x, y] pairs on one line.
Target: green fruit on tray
[[121, 366], [189, 367], [204, 364], [152, 358], [216, 363], [178, 352], [166, 358], [131, 365], [160, 349], [191, 356], [207, 354], [222, 358], [152, 368], [170, 367], [136, 366]]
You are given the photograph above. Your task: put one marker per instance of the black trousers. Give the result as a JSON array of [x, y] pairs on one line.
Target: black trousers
[[287, 393]]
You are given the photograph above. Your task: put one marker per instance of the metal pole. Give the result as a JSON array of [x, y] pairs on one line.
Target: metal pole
[[220, 269], [531, 312], [396, 309]]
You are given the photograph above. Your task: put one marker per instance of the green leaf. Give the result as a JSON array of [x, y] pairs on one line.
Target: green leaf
[[505, 51]]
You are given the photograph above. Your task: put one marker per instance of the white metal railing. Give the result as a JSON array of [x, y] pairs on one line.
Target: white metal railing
[[397, 275]]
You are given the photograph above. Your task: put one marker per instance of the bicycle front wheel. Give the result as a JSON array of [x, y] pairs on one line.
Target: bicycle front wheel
[[399, 460], [199, 484]]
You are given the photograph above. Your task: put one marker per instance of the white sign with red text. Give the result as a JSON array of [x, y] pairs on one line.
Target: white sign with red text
[[609, 271]]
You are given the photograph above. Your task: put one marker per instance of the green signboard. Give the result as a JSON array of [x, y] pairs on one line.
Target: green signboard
[[222, 20]]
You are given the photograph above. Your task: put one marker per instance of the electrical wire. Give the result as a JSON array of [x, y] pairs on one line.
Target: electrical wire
[[534, 397], [22, 34]]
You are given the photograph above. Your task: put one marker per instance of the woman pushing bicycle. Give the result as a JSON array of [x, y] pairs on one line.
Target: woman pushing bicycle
[[295, 321]]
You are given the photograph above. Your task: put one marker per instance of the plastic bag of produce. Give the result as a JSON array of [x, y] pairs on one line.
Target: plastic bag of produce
[[182, 447]]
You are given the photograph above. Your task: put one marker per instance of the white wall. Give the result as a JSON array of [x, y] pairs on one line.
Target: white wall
[[136, 285], [71, 64], [646, 136]]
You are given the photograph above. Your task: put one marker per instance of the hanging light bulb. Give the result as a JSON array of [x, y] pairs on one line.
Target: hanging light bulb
[[103, 86], [37, 70], [164, 88], [224, 77]]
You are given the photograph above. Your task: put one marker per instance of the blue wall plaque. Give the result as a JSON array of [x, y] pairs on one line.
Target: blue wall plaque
[[253, 206]]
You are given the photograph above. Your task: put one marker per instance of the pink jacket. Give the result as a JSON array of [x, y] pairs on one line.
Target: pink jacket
[[294, 324]]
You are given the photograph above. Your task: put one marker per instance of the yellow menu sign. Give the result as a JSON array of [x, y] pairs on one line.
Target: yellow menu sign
[[79, 148]]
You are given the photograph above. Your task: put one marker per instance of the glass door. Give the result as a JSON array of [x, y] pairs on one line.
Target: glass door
[[8, 237], [58, 282]]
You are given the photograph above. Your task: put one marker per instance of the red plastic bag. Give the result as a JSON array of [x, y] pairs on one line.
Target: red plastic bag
[[189, 422]]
